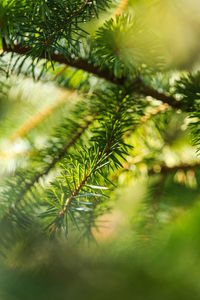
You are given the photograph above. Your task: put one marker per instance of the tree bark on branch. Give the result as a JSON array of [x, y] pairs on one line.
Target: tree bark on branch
[[139, 87]]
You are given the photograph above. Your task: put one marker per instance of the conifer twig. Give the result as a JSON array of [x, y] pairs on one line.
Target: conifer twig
[[72, 62], [71, 198], [121, 7], [58, 157], [147, 117], [143, 89], [38, 117], [90, 170], [65, 22], [76, 191], [139, 86], [60, 72], [164, 169]]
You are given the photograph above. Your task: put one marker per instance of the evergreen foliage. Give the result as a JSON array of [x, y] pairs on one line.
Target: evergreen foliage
[[125, 125]]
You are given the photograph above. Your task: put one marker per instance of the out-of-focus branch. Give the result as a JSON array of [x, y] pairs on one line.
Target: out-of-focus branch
[[40, 116], [164, 170], [147, 117], [121, 8]]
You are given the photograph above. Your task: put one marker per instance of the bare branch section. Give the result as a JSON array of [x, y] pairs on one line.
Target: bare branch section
[[121, 8], [139, 87], [147, 117], [145, 90], [40, 116], [164, 170]]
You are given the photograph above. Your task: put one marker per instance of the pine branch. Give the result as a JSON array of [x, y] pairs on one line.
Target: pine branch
[[66, 22], [164, 170], [60, 58], [121, 8], [138, 87], [70, 200], [38, 117], [145, 90], [59, 73], [147, 117], [58, 157], [15, 189], [107, 145], [103, 154]]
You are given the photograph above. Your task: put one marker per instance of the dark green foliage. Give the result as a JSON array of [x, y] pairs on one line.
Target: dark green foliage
[[47, 25], [188, 87]]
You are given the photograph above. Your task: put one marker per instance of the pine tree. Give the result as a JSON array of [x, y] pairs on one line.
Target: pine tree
[[126, 112]]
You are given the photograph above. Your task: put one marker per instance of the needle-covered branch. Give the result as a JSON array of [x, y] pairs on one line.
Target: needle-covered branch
[[138, 87]]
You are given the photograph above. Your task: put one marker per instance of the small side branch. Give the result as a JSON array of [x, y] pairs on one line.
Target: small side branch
[[65, 23], [39, 116], [58, 157], [164, 170], [145, 118], [145, 90], [121, 8]]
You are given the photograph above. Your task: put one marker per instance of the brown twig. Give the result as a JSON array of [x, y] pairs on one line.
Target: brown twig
[[147, 117], [38, 117], [145, 90], [138, 87], [60, 58], [164, 170], [60, 72], [65, 23], [121, 8]]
